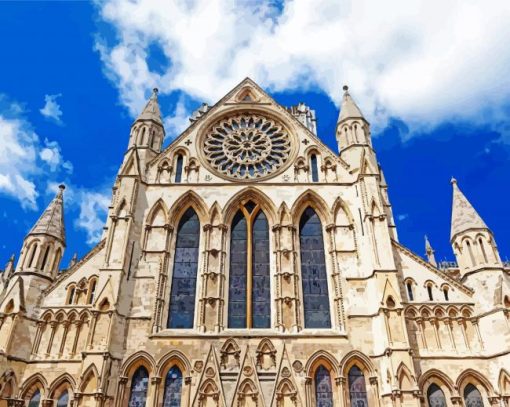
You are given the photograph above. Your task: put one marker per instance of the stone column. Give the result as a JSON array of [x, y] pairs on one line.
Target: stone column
[[337, 278]]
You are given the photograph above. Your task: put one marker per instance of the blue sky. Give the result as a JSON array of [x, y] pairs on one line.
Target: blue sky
[[436, 90]]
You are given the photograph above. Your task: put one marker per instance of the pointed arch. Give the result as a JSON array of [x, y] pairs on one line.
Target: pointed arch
[[64, 382], [215, 214], [474, 377], [137, 359], [249, 194], [8, 384], [185, 201], [342, 215], [173, 358], [88, 383], [356, 357], [284, 217], [266, 354], [230, 354], [310, 198], [325, 358], [406, 380], [435, 376], [31, 384], [158, 214], [120, 210], [504, 383]]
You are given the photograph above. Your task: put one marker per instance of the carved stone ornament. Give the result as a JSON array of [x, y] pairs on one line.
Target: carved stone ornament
[[210, 372], [285, 372], [198, 366], [247, 146], [297, 366], [248, 370]]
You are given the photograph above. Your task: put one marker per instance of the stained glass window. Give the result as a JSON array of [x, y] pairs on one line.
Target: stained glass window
[[139, 386], [173, 388], [472, 397], [357, 388], [184, 276], [313, 272], [323, 388], [314, 168], [35, 401], [410, 291], [435, 396], [249, 308], [178, 169], [63, 400]]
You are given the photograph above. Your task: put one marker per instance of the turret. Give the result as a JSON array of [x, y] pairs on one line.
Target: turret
[[430, 252], [44, 245], [352, 129], [471, 239], [147, 131]]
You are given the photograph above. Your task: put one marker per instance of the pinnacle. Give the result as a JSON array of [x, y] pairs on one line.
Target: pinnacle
[[349, 109], [464, 215], [151, 110], [51, 221]]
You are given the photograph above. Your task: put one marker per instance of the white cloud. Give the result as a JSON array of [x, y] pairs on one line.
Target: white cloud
[[23, 160], [403, 216], [52, 109], [178, 122], [423, 61]]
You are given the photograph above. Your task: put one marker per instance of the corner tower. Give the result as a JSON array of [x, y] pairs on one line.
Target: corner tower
[[473, 242]]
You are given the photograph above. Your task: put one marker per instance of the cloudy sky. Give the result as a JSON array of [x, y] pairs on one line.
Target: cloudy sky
[[431, 76]]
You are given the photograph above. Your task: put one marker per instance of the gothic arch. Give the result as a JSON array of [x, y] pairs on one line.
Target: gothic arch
[[357, 358], [325, 358], [504, 383], [8, 384], [406, 380], [477, 379], [284, 216], [31, 384], [438, 377], [159, 205], [249, 193], [135, 361], [266, 349], [173, 358], [61, 383], [185, 201], [89, 380], [215, 214], [230, 349], [338, 206], [311, 199]]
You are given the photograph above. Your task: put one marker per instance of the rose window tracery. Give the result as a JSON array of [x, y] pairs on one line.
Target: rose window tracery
[[247, 146]]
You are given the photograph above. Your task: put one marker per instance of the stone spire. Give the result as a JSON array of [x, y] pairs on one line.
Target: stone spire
[[151, 110], [429, 251], [51, 221], [464, 216], [349, 108]]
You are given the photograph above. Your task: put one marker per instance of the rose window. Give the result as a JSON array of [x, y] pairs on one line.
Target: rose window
[[247, 146]]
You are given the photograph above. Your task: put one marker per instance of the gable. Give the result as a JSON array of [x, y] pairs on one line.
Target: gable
[[247, 136]]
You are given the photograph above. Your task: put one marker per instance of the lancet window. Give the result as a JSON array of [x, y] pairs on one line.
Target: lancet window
[[314, 168], [435, 396], [35, 401], [139, 386], [173, 388], [184, 276], [323, 388], [178, 168], [472, 396], [63, 400], [357, 388], [249, 281], [313, 271], [409, 287]]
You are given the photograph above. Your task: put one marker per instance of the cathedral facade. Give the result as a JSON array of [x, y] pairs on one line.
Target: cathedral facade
[[248, 265]]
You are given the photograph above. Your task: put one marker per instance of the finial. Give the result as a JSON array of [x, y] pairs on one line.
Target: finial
[[61, 187], [155, 91], [345, 88], [453, 181]]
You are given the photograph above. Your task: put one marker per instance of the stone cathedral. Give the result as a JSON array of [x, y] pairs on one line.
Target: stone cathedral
[[248, 265]]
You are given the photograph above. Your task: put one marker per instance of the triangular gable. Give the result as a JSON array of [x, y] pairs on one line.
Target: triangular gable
[[132, 164], [106, 292], [389, 291], [263, 97], [210, 384], [248, 385], [15, 293], [285, 383]]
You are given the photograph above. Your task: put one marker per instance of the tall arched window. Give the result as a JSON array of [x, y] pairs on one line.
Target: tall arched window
[[184, 276], [45, 258], [435, 396], [70, 296], [409, 287], [35, 400], [63, 400], [56, 261], [323, 388], [178, 168], [429, 292], [472, 397], [313, 271], [32, 256], [470, 250], [173, 388], [314, 168], [92, 291], [445, 293], [249, 281], [357, 388], [482, 248], [139, 386]]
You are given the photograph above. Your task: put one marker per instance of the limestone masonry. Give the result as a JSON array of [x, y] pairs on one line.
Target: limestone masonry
[[248, 265]]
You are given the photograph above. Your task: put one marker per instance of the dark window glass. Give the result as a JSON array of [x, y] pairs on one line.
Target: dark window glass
[[445, 291], [173, 387], [139, 386], [178, 169], [323, 388], [261, 299], [35, 401], [429, 291], [313, 272], [63, 400], [184, 277], [314, 169], [410, 291], [435, 396], [472, 397], [92, 291], [357, 388], [237, 279], [45, 258]]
